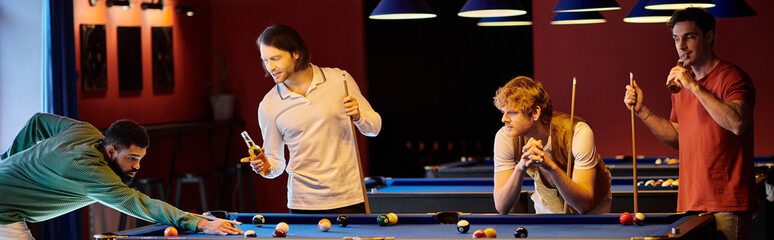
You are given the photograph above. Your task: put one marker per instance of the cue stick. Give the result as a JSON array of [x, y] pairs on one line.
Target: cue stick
[[357, 149], [211, 218], [634, 152], [569, 146]]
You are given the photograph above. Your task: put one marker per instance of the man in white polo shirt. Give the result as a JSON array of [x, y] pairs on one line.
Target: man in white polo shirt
[[308, 112]]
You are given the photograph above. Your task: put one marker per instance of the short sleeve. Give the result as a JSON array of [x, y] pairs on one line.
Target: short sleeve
[[504, 158], [583, 147]]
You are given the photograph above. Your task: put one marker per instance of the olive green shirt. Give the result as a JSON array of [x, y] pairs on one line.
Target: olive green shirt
[[54, 166]]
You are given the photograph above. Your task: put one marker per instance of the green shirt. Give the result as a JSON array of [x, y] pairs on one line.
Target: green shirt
[[54, 166]]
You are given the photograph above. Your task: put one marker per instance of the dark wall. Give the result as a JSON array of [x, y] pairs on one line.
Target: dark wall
[[433, 80]]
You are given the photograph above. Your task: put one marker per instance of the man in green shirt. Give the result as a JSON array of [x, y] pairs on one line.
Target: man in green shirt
[[56, 165]]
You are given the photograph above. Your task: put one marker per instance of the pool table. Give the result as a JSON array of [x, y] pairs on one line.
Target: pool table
[[474, 195], [618, 166], [429, 226]]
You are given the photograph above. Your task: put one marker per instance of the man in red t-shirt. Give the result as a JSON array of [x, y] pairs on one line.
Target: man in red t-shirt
[[714, 112]]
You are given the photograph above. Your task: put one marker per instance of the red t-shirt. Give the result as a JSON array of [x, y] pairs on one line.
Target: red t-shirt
[[716, 166]]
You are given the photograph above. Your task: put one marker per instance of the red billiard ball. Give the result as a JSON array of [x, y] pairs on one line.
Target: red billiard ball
[[625, 218], [278, 233], [638, 219], [479, 234], [170, 232]]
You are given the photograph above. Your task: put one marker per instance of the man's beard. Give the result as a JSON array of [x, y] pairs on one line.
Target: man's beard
[[125, 178]]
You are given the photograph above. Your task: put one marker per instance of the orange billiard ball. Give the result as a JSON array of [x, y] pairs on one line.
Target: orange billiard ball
[[170, 232]]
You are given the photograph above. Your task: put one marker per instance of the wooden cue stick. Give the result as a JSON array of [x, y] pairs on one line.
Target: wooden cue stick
[[634, 151], [569, 146], [357, 149]]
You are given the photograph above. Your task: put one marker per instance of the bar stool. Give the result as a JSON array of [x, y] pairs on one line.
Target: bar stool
[[229, 182], [185, 178], [145, 186]]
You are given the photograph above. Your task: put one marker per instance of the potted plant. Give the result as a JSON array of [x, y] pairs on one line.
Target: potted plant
[[222, 102]]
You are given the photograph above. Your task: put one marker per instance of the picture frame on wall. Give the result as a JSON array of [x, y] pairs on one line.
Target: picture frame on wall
[[129, 58], [93, 58], [163, 58]]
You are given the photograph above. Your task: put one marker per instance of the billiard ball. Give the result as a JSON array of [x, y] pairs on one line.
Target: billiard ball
[[638, 219], [625, 218], [520, 232], [383, 220], [479, 234], [667, 183], [650, 182], [463, 226], [393, 218], [279, 233], [324, 225], [490, 233], [342, 220], [658, 182], [258, 220], [170, 232], [284, 226], [250, 233]]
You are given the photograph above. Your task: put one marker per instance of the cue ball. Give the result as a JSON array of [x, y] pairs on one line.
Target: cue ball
[[490, 233], [520, 232], [279, 233], [382, 220], [258, 220], [170, 232], [463, 226], [324, 225], [250, 233], [625, 218], [479, 234], [284, 226], [393, 218], [638, 219], [342, 220]]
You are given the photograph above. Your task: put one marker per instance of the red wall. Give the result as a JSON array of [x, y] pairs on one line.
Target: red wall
[[333, 31], [602, 55], [186, 101]]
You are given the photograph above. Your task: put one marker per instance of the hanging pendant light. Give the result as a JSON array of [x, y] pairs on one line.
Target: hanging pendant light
[[401, 9], [639, 14], [522, 20], [567, 18], [678, 4], [731, 8], [585, 5], [491, 8]]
